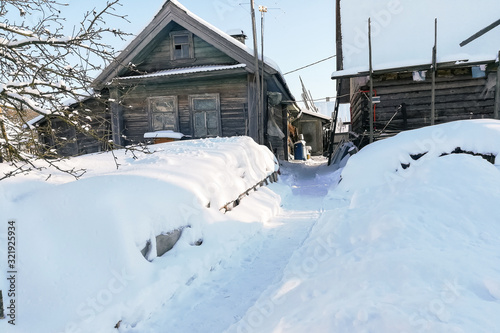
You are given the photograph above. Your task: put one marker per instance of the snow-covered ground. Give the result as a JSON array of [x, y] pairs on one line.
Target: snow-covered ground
[[388, 249], [78, 251]]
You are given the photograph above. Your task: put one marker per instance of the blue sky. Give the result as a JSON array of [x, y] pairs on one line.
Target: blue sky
[[295, 34], [403, 31]]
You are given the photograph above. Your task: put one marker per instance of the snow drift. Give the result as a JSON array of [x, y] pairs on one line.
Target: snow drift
[[399, 250], [79, 242], [406, 242]]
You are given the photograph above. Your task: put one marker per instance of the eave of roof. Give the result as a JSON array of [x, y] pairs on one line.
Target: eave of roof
[[35, 120], [350, 73], [316, 114], [183, 70], [173, 9]]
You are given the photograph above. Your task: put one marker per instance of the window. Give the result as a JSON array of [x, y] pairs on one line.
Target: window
[[163, 113], [205, 115], [182, 45]]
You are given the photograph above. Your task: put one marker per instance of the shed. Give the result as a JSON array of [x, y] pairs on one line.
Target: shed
[[463, 91], [312, 125]]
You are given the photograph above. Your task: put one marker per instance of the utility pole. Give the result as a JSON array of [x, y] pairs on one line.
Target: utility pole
[[340, 66], [338, 38], [257, 93], [434, 69], [370, 113], [497, 91], [262, 10]]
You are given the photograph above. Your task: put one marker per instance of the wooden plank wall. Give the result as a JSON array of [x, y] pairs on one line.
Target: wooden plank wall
[[233, 103], [79, 141], [279, 145], [458, 96]]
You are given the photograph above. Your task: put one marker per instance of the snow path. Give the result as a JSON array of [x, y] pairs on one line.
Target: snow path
[[215, 303]]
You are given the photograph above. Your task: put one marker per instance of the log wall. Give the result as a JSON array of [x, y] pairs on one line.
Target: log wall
[[458, 96], [233, 104]]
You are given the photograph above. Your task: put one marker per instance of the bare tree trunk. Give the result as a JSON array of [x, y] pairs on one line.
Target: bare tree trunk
[[6, 145]]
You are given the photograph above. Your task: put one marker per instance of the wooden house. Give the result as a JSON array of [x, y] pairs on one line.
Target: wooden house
[[184, 75], [403, 37]]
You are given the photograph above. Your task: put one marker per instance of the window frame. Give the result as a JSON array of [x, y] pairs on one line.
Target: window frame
[[190, 44], [151, 112], [193, 112]]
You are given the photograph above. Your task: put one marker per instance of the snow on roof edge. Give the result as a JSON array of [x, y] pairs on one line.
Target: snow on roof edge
[[35, 120], [185, 70], [210, 26], [268, 61], [225, 35], [410, 66], [316, 114]]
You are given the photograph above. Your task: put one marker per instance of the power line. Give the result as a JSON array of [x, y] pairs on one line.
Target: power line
[[314, 63]]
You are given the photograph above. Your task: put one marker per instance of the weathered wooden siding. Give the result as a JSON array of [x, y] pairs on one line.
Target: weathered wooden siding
[[97, 138], [70, 141], [233, 104], [458, 96], [204, 54], [279, 145]]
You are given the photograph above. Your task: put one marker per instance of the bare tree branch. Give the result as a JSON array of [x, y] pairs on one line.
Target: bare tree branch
[[41, 68]]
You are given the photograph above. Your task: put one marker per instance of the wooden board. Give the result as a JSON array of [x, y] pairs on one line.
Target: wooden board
[[458, 96]]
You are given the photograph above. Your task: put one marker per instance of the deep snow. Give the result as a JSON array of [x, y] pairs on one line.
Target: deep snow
[[387, 249], [79, 242]]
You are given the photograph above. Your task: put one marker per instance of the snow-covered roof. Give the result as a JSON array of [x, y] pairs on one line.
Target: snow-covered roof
[[407, 66], [403, 32], [185, 70], [315, 114], [35, 120], [172, 10], [70, 101], [81, 98]]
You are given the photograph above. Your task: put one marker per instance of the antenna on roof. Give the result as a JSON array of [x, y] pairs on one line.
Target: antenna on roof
[[307, 97]]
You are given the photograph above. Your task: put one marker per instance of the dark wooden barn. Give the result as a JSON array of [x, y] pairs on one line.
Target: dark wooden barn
[[83, 127], [414, 66], [184, 75], [462, 91]]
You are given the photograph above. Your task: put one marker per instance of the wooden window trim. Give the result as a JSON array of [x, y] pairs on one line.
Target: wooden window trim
[[150, 111], [192, 111], [172, 45]]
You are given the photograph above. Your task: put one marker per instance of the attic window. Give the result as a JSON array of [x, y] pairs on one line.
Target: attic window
[[182, 45]]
